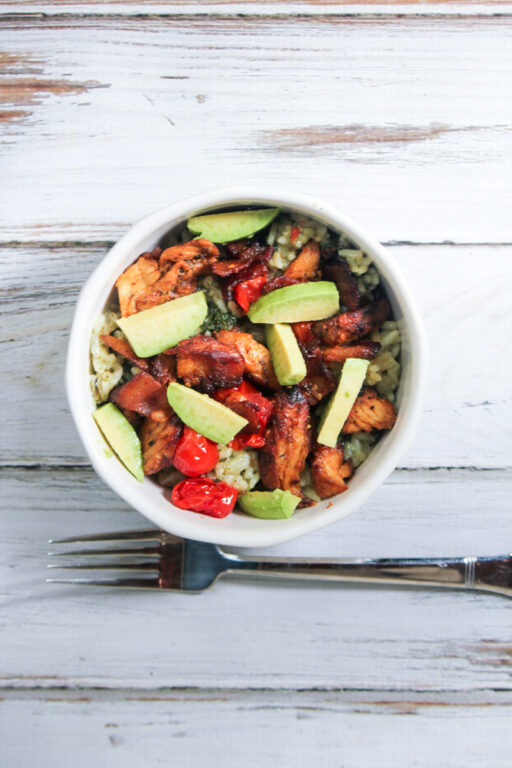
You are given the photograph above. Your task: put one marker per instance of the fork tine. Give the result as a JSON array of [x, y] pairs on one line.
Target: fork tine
[[133, 583], [107, 567], [137, 552], [140, 535]]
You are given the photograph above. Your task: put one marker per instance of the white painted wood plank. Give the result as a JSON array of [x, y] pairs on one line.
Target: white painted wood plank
[[261, 7], [254, 731], [401, 122], [461, 293], [257, 635]]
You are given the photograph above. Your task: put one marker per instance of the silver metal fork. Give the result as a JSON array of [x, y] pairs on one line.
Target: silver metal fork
[[153, 559]]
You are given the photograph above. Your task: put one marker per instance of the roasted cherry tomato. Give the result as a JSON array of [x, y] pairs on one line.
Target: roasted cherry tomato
[[294, 234], [201, 494], [246, 275], [195, 454], [304, 333], [253, 439], [247, 292]]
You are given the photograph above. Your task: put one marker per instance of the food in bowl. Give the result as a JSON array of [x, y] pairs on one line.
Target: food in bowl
[[251, 359]]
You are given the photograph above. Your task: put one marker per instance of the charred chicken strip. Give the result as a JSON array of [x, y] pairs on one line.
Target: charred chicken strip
[[122, 347], [346, 283], [208, 364], [319, 380], [257, 361], [351, 326], [159, 440], [370, 412], [198, 253], [364, 350], [329, 471], [288, 441], [163, 368]]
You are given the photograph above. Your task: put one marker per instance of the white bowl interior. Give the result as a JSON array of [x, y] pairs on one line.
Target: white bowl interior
[[239, 529]]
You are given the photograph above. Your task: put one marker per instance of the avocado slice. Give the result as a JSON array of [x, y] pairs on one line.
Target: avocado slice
[[269, 505], [204, 414], [154, 330], [122, 438], [297, 303], [224, 227], [287, 358], [339, 406]]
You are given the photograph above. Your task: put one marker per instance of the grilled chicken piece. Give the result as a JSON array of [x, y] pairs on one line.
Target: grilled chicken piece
[[346, 283], [257, 360], [208, 364], [159, 440], [351, 326], [370, 412], [302, 269], [329, 471], [319, 380], [123, 348], [149, 281], [288, 441], [198, 253], [136, 282], [364, 350], [144, 395], [305, 266]]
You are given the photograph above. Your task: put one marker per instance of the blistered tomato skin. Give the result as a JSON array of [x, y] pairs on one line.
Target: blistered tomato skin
[[195, 454], [200, 494]]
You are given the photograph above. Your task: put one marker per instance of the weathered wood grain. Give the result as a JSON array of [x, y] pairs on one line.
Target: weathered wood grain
[[396, 120], [461, 292], [245, 634], [253, 730]]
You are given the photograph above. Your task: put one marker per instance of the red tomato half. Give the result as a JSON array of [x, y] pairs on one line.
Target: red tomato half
[[195, 454], [201, 494]]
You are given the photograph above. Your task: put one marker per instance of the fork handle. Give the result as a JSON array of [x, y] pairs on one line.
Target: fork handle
[[492, 574]]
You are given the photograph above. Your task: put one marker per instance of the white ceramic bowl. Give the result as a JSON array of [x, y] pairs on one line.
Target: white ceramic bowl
[[239, 529]]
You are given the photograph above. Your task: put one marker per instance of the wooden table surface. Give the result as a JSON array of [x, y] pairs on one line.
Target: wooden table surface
[[400, 113]]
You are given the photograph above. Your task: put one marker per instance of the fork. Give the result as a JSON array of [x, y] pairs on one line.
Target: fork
[[164, 561]]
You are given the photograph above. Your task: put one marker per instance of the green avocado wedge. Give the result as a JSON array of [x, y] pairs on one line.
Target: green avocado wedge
[[339, 406], [204, 414], [297, 303], [154, 330], [287, 358], [122, 438], [269, 505], [225, 227]]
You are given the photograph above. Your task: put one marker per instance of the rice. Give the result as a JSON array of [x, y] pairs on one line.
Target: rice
[[359, 446], [306, 484], [384, 371], [107, 367], [280, 236], [357, 261], [237, 468]]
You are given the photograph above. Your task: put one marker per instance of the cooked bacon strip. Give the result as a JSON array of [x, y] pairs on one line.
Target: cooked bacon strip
[[143, 395], [305, 266], [163, 368], [159, 440], [329, 471], [207, 363], [370, 412], [123, 348], [346, 283], [319, 380], [364, 350], [244, 254], [257, 360], [288, 441], [248, 409], [135, 282], [351, 326]]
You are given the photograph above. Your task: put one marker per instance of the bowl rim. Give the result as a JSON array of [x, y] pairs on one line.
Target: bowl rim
[[398, 439]]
